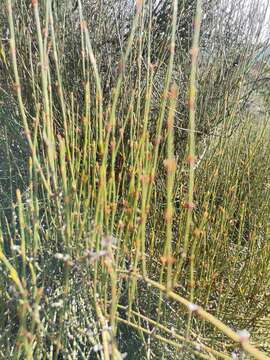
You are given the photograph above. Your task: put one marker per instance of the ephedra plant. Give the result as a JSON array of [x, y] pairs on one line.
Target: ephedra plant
[[125, 239]]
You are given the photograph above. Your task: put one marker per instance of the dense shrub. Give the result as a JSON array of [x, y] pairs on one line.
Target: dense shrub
[[116, 224]]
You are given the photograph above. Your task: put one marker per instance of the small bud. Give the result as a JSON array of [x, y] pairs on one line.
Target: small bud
[[193, 307], [244, 335], [97, 348]]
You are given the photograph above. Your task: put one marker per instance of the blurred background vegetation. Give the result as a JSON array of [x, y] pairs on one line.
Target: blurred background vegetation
[[134, 179]]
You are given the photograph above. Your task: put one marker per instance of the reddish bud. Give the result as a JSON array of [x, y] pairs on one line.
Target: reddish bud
[[189, 206]]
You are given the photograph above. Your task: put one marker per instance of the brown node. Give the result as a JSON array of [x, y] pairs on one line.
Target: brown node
[[173, 92], [83, 25], [144, 179], [16, 87], [191, 159], [153, 65], [189, 205], [170, 165], [194, 52], [139, 4], [197, 233], [121, 131], [167, 260], [191, 104], [158, 140], [168, 214]]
